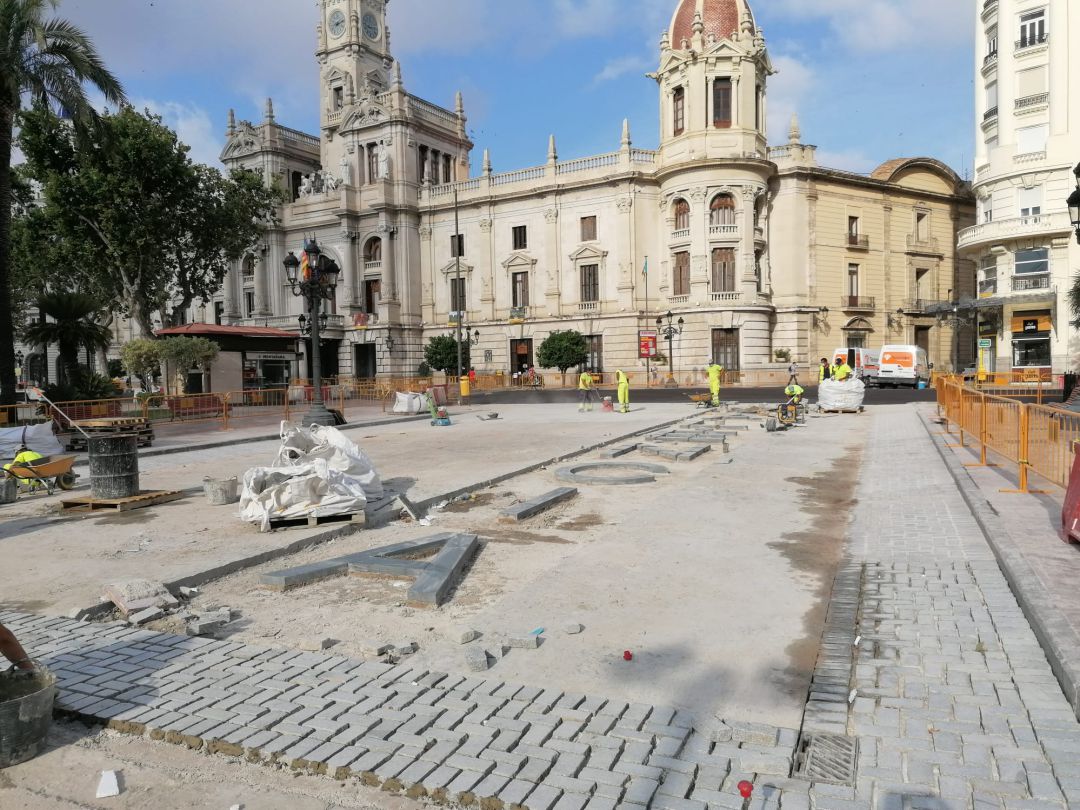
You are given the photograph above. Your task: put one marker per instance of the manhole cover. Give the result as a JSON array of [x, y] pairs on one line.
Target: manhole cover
[[614, 472], [827, 758]]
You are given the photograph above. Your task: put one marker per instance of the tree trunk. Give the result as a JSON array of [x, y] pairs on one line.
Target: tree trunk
[[7, 328]]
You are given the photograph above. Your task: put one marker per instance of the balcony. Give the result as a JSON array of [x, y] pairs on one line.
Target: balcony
[[723, 230], [988, 9], [990, 114], [1033, 103], [726, 297], [915, 306], [922, 244], [989, 61], [851, 303], [1032, 44], [1031, 283], [588, 306], [678, 300], [857, 241], [518, 314], [375, 265], [289, 322], [681, 235], [1056, 224]]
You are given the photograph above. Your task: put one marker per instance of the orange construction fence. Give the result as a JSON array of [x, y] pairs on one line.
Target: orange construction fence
[[1037, 438]]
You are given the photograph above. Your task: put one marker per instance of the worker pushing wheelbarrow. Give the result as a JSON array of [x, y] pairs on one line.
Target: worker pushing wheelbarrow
[[35, 472]]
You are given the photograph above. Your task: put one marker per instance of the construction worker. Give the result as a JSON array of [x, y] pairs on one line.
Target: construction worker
[[824, 371], [585, 391], [714, 372], [842, 371], [624, 391], [795, 392], [24, 457], [13, 651]]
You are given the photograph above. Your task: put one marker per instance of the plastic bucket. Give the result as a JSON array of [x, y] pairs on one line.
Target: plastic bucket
[[221, 492], [922, 385], [26, 708]]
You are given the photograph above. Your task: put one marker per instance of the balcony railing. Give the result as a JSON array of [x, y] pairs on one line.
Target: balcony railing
[[588, 306], [990, 114], [1027, 283], [990, 59], [289, 322], [678, 299], [723, 230], [518, 314], [726, 296], [850, 302], [375, 265], [1033, 101], [858, 241], [1015, 228], [1032, 42], [915, 305], [682, 233]]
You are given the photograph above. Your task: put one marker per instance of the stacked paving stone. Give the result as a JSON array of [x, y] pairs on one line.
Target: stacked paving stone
[[956, 705], [428, 734]]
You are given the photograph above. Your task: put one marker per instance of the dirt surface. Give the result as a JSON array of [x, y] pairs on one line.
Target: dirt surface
[[168, 777], [716, 577]]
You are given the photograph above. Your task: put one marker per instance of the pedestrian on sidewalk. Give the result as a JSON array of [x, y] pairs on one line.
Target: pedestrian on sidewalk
[[585, 391], [624, 391], [793, 373], [825, 371], [14, 652]]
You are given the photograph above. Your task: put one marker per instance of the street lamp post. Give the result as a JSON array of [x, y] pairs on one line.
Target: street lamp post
[[314, 279], [669, 331], [19, 357], [1074, 204]]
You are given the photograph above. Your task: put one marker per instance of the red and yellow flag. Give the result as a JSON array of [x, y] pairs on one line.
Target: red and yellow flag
[[305, 267]]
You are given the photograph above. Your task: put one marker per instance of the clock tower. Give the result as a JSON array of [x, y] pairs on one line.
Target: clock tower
[[354, 55]]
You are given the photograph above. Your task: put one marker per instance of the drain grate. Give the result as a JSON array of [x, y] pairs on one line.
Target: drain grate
[[827, 758]]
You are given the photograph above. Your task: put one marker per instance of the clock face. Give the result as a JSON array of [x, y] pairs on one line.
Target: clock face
[[371, 26], [337, 23]]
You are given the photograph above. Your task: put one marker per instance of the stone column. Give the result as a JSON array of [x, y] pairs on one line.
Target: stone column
[[232, 308], [624, 247], [552, 260], [262, 284], [746, 244]]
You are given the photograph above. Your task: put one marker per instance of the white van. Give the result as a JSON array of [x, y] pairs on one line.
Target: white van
[[864, 362], [903, 365]]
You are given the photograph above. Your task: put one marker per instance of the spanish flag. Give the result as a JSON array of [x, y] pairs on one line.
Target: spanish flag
[[305, 267]]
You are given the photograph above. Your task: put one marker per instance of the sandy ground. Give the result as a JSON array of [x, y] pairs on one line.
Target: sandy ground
[[64, 562], [167, 777], [715, 578]]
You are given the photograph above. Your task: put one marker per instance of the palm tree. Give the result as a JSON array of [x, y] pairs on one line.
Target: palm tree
[[71, 329], [47, 62]]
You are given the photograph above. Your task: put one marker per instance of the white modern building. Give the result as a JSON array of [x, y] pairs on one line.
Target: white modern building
[[1027, 141], [758, 250]]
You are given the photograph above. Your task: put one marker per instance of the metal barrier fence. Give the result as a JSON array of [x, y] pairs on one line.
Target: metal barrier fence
[[1037, 438]]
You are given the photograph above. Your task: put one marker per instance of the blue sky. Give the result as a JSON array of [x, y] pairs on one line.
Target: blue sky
[[870, 79]]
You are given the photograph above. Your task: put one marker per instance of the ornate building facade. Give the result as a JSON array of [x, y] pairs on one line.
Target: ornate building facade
[[1026, 145], [758, 250]]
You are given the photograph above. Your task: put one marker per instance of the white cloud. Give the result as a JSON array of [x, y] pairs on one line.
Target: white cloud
[[192, 126], [877, 25], [621, 66], [851, 160], [791, 90]]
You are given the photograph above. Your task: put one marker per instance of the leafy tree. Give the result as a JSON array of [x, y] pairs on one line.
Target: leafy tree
[[138, 223], [142, 357], [46, 61], [186, 353], [71, 328], [562, 350], [441, 354]]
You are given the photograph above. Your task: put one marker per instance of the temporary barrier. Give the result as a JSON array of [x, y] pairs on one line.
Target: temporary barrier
[[1037, 438]]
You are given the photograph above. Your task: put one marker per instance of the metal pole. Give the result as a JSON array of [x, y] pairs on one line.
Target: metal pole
[[457, 270], [317, 413], [671, 350], [648, 360]]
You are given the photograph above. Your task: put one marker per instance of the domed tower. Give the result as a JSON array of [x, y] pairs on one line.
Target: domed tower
[[713, 70]]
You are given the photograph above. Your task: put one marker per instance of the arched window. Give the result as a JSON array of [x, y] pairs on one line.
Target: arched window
[[373, 251], [679, 110], [248, 267], [682, 215], [722, 210]]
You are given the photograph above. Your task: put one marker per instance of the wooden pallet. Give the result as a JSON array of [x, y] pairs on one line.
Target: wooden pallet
[[150, 497], [76, 441], [359, 518], [842, 410]]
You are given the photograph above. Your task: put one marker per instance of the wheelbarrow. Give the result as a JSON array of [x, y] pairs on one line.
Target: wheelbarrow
[[52, 471], [701, 400]]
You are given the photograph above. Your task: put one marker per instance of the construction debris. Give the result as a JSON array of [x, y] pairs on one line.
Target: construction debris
[[139, 594], [573, 629], [109, 785], [316, 644], [465, 636], [476, 658]]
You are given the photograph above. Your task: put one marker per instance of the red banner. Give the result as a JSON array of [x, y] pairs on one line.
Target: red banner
[[646, 343]]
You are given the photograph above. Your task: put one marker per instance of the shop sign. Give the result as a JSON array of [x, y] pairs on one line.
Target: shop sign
[[986, 343], [269, 356]]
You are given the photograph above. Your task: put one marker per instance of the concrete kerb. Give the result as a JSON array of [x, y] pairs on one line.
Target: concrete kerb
[[1059, 641], [374, 519]]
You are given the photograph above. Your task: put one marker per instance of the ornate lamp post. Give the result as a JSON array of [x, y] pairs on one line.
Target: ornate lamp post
[[314, 279], [1074, 204], [669, 332], [19, 357]]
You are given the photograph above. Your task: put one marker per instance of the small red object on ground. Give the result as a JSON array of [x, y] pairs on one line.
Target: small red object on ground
[[627, 655], [746, 789]]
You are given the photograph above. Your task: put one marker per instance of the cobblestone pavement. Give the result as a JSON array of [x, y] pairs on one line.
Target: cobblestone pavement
[[956, 704], [448, 737]]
